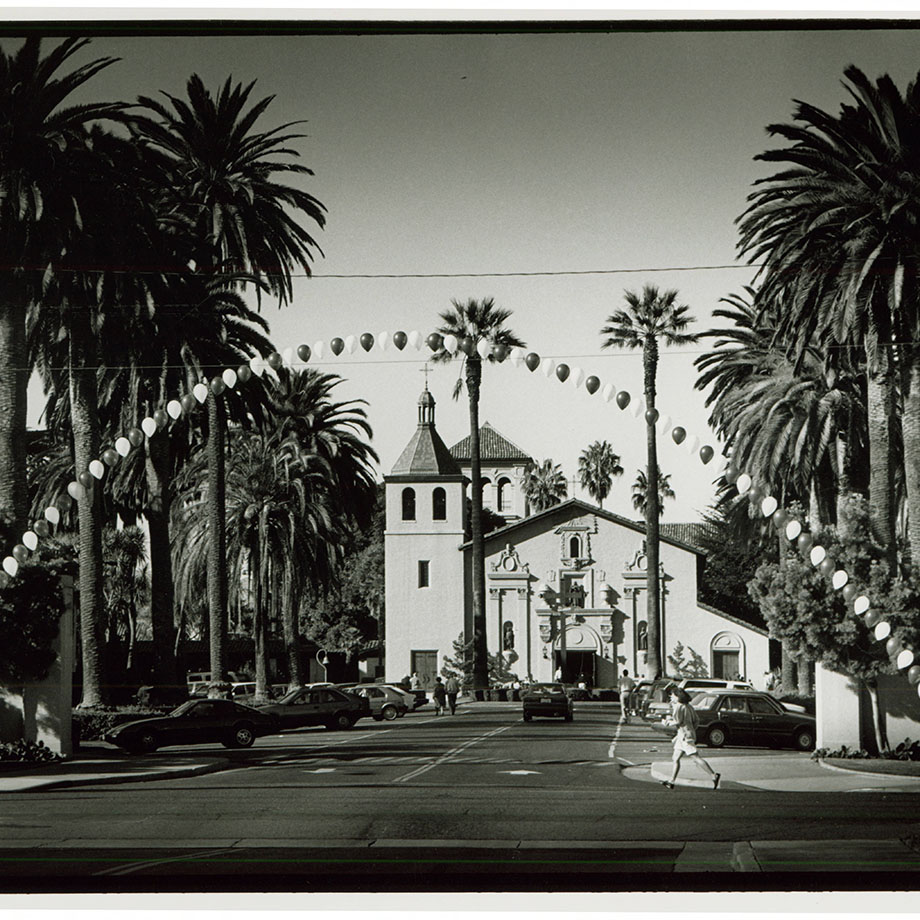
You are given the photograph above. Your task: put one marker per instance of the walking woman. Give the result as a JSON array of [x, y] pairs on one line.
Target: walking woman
[[685, 718]]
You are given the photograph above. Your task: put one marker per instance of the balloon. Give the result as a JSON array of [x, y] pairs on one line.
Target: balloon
[[805, 542], [30, 540], [793, 529], [578, 376], [905, 658], [20, 553], [882, 630], [484, 347], [743, 483], [351, 343], [840, 579], [562, 372], [817, 555], [608, 392], [827, 566], [174, 408], [664, 423], [871, 618], [861, 604], [257, 365], [651, 416], [517, 356], [638, 407], [467, 345], [532, 361], [244, 373], [451, 343], [768, 506], [10, 566], [337, 345], [731, 473], [188, 402], [85, 479], [218, 386], [706, 453], [693, 445], [149, 427], [382, 340], [913, 675], [160, 417], [74, 490], [41, 528], [893, 646], [318, 349], [200, 392], [435, 340], [274, 362], [52, 515], [755, 494], [623, 399], [399, 340], [110, 456], [500, 352], [229, 376], [678, 435], [849, 591], [287, 356], [592, 384], [303, 352], [96, 469], [780, 518], [548, 367]]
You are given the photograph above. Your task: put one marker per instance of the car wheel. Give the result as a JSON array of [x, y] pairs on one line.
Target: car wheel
[[340, 720], [804, 739], [377, 718], [568, 717], [527, 716], [389, 713], [242, 736], [146, 743], [717, 736]]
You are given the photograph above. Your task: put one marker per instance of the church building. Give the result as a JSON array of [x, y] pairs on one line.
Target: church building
[[565, 588]]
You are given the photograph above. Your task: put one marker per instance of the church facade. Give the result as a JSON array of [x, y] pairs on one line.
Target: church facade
[[566, 588]]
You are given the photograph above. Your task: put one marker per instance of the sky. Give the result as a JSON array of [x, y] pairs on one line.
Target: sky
[[552, 172]]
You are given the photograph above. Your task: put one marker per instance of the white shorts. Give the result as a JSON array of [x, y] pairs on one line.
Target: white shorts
[[683, 745]]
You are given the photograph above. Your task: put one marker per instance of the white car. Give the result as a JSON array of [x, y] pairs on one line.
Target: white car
[[386, 703]]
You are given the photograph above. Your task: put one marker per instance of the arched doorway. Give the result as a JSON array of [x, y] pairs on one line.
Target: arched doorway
[[727, 653], [575, 653]]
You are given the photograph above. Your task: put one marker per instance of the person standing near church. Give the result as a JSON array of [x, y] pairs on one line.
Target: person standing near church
[[452, 688], [440, 697], [626, 685]]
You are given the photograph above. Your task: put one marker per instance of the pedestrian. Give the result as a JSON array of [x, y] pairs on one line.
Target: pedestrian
[[626, 686], [452, 688], [684, 716], [414, 682], [440, 697]]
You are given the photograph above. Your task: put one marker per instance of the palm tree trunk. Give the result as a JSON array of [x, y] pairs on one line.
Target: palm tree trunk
[[289, 610], [85, 421], [14, 499], [804, 667], [157, 466], [217, 541], [478, 592], [880, 412], [881, 739], [910, 428], [788, 669], [262, 564], [652, 535]]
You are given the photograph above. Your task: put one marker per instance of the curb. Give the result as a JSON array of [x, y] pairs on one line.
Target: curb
[[832, 766]]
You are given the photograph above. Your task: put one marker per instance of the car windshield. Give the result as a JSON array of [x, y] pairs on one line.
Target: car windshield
[[703, 700], [183, 708], [546, 688]]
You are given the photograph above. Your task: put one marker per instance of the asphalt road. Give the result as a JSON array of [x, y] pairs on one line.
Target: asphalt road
[[480, 800]]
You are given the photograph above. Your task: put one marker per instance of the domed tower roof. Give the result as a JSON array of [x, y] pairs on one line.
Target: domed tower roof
[[426, 453]]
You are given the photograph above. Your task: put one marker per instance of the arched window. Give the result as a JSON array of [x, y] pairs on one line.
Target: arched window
[[574, 548], [642, 636], [408, 504], [439, 505], [503, 495]]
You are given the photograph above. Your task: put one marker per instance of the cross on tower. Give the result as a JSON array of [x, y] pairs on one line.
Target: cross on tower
[[424, 370]]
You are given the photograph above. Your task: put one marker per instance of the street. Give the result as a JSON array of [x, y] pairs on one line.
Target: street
[[480, 799]]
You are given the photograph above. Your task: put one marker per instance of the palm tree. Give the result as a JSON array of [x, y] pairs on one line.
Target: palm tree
[[38, 130], [641, 493], [544, 485], [597, 467], [647, 319], [836, 231], [223, 190], [473, 322]]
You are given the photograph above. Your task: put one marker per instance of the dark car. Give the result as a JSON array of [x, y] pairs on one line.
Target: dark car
[[749, 717], [546, 700], [318, 706], [195, 722]]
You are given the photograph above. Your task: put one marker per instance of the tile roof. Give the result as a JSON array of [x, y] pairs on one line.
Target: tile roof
[[426, 453], [691, 534], [492, 446]]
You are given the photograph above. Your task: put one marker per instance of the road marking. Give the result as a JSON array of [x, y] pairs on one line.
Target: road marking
[[521, 772], [612, 750], [321, 770], [150, 864], [445, 757]]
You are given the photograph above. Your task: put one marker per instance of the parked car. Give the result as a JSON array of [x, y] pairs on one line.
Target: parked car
[[324, 705], [749, 717], [546, 700], [385, 703], [195, 722], [408, 697], [657, 703]]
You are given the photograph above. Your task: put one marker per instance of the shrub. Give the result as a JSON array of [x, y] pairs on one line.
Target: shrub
[[161, 697], [92, 724], [23, 751], [842, 752], [906, 750]]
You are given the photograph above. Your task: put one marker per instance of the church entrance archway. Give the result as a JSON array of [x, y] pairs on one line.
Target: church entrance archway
[[575, 654]]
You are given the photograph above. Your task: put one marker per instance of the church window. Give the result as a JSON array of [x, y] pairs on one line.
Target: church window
[[574, 548], [503, 495], [424, 573], [408, 504], [439, 505]]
